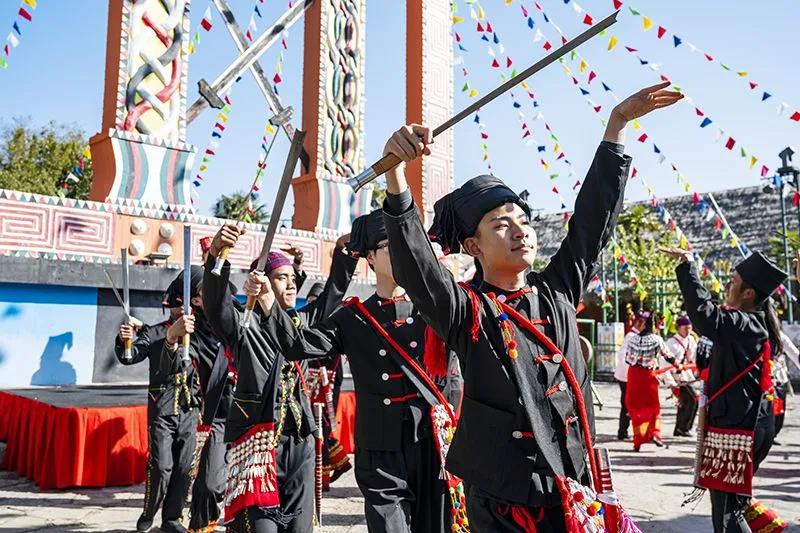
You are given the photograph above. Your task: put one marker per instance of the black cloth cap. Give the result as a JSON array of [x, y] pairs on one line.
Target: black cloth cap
[[367, 232], [458, 213], [173, 297], [761, 273]]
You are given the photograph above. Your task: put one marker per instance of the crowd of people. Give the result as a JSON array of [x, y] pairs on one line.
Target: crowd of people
[[473, 400]]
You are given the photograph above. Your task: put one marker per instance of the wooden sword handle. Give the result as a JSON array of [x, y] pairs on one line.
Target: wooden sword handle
[[386, 163], [222, 256]]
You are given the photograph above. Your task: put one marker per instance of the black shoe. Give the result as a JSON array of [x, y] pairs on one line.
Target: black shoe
[[622, 436], [144, 524], [173, 526], [679, 433], [658, 442]]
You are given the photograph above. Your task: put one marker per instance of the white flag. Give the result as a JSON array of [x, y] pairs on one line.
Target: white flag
[[537, 36], [13, 40]]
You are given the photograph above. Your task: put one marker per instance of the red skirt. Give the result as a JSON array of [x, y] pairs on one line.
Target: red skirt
[[641, 399]]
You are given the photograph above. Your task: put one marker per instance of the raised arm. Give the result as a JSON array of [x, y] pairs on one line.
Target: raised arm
[[600, 199], [321, 340], [140, 350], [343, 267], [217, 298], [433, 290]]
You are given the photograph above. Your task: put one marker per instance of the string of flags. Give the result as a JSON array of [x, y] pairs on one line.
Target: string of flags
[[730, 142], [206, 23], [678, 42], [212, 148], [702, 205], [23, 18], [596, 286], [75, 175]]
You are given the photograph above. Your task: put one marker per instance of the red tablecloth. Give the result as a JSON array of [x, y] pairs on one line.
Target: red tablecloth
[[346, 421], [60, 447]]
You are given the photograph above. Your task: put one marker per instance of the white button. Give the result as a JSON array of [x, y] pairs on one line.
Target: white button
[[410, 320], [413, 344], [385, 376], [501, 298], [387, 401], [557, 358], [562, 386], [517, 434], [382, 352]]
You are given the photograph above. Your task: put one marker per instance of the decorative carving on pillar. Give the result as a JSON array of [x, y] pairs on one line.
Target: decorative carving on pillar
[[333, 116], [141, 152], [429, 96]]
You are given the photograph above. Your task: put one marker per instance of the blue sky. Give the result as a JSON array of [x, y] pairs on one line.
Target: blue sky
[[57, 72]]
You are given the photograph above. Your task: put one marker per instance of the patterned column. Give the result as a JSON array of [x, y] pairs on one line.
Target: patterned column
[[333, 116], [429, 95], [141, 152]]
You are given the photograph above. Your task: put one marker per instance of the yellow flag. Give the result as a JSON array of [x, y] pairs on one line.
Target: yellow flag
[[688, 187], [612, 43], [485, 157], [753, 160], [509, 2], [566, 68], [742, 73], [87, 153], [31, 3], [457, 19], [191, 47], [643, 296], [636, 125], [684, 244], [203, 168], [734, 243], [481, 14], [523, 85], [473, 93], [270, 129], [647, 23], [583, 65], [223, 117], [556, 148]]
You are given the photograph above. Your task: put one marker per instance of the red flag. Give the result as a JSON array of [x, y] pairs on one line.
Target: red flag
[[642, 138], [617, 4], [283, 43], [708, 56], [527, 134], [508, 62], [547, 45], [629, 49], [633, 174], [206, 24], [495, 64], [695, 198], [574, 81], [661, 31], [524, 11], [458, 38], [484, 135], [699, 113], [24, 14], [489, 27], [563, 40], [597, 108], [764, 171], [753, 85], [560, 156], [592, 76], [227, 99], [5, 49], [555, 190], [717, 222], [796, 199], [577, 184], [730, 144], [524, 126], [664, 78], [479, 28], [277, 78], [219, 126], [588, 20], [795, 116]]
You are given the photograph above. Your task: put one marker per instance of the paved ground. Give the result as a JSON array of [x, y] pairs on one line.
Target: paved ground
[[651, 484]]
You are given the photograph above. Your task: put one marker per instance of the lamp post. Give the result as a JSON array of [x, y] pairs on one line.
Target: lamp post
[[788, 174]]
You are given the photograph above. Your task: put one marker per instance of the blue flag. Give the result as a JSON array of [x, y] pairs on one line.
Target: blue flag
[[706, 122], [677, 40]]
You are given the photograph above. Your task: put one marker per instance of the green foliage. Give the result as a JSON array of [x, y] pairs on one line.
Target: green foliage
[[234, 207], [776, 246], [40, 160]]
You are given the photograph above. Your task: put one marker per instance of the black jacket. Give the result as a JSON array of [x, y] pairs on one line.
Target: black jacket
[[503, 404], [738, 337]]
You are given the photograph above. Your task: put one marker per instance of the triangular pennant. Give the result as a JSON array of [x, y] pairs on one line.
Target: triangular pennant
[[661, 31]]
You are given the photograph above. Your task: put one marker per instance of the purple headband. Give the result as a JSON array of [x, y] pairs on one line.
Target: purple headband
[[274, 260], [683, 321]]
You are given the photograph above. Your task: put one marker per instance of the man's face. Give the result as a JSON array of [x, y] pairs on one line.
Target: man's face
[[684, 331], [504, 241], [380, 260], [736, 296], [284, 286]]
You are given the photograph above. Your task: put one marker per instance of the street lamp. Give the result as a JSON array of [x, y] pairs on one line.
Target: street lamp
[[787, 174]]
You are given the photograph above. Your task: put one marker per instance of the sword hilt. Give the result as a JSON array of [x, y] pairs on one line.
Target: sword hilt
[[248, 311], [127, 355], [222, 256], [385, 164], [186, 342]]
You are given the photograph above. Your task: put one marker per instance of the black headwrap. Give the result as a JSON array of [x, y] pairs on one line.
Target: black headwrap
[[457, 214], [761, 274], [173, 297], [367, 232]]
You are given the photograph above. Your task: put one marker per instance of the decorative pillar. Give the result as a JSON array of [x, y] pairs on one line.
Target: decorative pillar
[[141, 151], [429, 96], [333, 117]]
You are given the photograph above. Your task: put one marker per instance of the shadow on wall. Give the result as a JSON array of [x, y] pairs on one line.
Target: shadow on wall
[[52, 370]]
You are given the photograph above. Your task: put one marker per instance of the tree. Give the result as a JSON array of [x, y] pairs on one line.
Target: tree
[[49, 160], [235, 207]]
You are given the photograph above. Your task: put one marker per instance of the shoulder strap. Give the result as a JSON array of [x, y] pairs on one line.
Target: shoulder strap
[[427, 384], [216, 386], [766, 349]]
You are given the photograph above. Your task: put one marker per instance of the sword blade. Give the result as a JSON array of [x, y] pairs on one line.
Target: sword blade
[[187, 268], [116, 292], [126, 286]]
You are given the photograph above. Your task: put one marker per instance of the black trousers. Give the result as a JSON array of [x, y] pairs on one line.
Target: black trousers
[[208, 490], [488, 515], [782, 391], [687, 408], [296, 461], [624, 419], [727, 510], [171, 441], [402, 490]]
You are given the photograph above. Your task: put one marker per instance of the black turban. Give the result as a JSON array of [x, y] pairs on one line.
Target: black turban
[[367, 232], [761, 273], [173, 297], [458, 213]]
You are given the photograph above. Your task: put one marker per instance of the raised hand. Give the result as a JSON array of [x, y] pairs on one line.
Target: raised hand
[[226, 237], [295, 252], [257, 284], [126, 332], [648, 99], [184, 325], [678, 253], [409, 142], [342, 241]]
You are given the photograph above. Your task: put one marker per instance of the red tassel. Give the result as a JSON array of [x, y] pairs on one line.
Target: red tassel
[[766, 369], [435, 356], [475, 328]]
